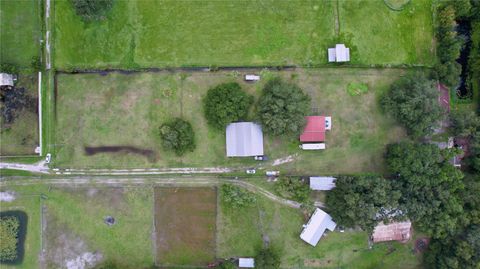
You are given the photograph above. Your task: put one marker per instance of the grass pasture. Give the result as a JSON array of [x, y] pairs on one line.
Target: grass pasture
[[19, 31], [243, 231], [94, 109], [380, 35], [185, 226]]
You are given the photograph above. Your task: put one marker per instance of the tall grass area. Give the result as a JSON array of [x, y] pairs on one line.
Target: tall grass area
[[241, 232]]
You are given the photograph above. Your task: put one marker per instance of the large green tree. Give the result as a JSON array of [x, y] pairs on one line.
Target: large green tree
[[282, 108], [178, 135], [429, 184], [226, 103], [413, 101], [363, 201], [293, 188], [456, 252], [464, 122], [91, 10]]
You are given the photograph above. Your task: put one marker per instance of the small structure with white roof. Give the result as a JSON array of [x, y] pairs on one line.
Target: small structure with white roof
[[322, 183], [252, 78], [6, 79], [339, 54], [244, 139], [316, 226], [246, 263]]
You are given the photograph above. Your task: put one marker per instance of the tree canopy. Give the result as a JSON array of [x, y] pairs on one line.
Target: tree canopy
[[235, 197], [429, 184], [282, 108], [413, 101], [267, 258], [293, 188], [464, 123], [226, 103], [363, 201], [177, 135], [92, 10]]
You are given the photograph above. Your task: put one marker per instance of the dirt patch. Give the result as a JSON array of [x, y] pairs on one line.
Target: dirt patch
[[185, 225], [150, 154], [7, 196], [287, 159]]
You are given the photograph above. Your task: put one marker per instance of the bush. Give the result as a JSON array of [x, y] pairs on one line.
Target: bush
[[226, 265], [13, 102], [226, 103], [282, 108], [294, 188], [8, 68], [235, 197], [267, 258], [92, 10], [413, 101], [177, 135], [9, 228]]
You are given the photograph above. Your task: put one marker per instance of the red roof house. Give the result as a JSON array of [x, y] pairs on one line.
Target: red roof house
[[314, 130]]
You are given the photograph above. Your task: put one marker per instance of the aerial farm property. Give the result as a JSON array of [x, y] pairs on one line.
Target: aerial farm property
[[239, 134]]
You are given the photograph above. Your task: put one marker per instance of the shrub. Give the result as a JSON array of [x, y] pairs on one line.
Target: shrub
[[293, 188], [92, 10], [235, 197], [267, 258], [177, 135], [226, 103], [9, 228], [282, 108]]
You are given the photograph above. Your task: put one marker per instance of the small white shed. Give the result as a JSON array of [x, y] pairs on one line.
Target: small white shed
[[339, 54], [6, 79], [322, 183], [252, 78], [246, 263], [313, 146]]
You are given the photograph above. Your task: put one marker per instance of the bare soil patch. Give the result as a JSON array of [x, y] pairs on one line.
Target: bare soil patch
[[185, 225], [150, 154]]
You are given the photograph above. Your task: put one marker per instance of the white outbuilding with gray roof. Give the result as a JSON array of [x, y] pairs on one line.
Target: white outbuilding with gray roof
[[6, 79], [339, 54], [316, 226], [244, 139], [246, 263], [322, 183]]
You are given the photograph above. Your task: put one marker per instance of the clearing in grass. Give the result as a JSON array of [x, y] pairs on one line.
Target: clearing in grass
[[185, 220]]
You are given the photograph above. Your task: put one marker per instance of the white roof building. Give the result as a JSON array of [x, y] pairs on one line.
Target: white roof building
[[244, 139], [339, 54], [6, 79], [316, 226], [246, 263], [322, 183]]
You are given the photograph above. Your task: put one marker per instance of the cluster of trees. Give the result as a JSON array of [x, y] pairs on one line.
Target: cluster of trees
[[9, 228], [363, 201], [293, 188], [236, 197], [412, 100], [467, 124], [226, 103], [281, 109], [177, 135], [92, 10], [267, 258]]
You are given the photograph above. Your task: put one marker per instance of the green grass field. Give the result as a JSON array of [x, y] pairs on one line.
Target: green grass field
[[19, 32], [380, 35], [234, 33], [93, 110], [241, 232]]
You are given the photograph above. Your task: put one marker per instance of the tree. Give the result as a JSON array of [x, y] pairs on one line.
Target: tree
[[464, 123], [9, 228], [282, 108], [226, 103], [429, 184], [235, 197], [92, 10], [363, 201], [413, 101], [267, 258], [177, 135], [226, 265], [474, 159], [293, 188], [456, 252]]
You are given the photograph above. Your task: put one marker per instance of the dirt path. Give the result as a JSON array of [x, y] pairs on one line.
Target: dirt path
[[173, 181], [39, 167]]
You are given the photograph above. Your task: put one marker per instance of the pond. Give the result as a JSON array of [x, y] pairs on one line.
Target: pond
[[464, 31], [22, 232]]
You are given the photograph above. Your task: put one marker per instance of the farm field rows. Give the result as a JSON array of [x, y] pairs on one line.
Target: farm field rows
[[92, 109], [238, 33]]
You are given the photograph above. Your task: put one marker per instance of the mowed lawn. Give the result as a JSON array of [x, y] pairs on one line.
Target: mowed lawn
[[380, 35], [242, 232], [185, 220], [127, 110], [19, 31]]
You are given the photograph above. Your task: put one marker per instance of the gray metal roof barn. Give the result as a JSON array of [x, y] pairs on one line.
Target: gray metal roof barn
[[244, 139]]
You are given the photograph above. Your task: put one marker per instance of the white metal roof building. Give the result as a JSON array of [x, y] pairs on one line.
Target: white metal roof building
[[6, 79], [322, 183], [244, 139], [246, 263], [316, 226], [339, 54]]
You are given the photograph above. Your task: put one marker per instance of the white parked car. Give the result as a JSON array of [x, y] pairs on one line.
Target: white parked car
[[48, 158], [272, 173], [250, 171]]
